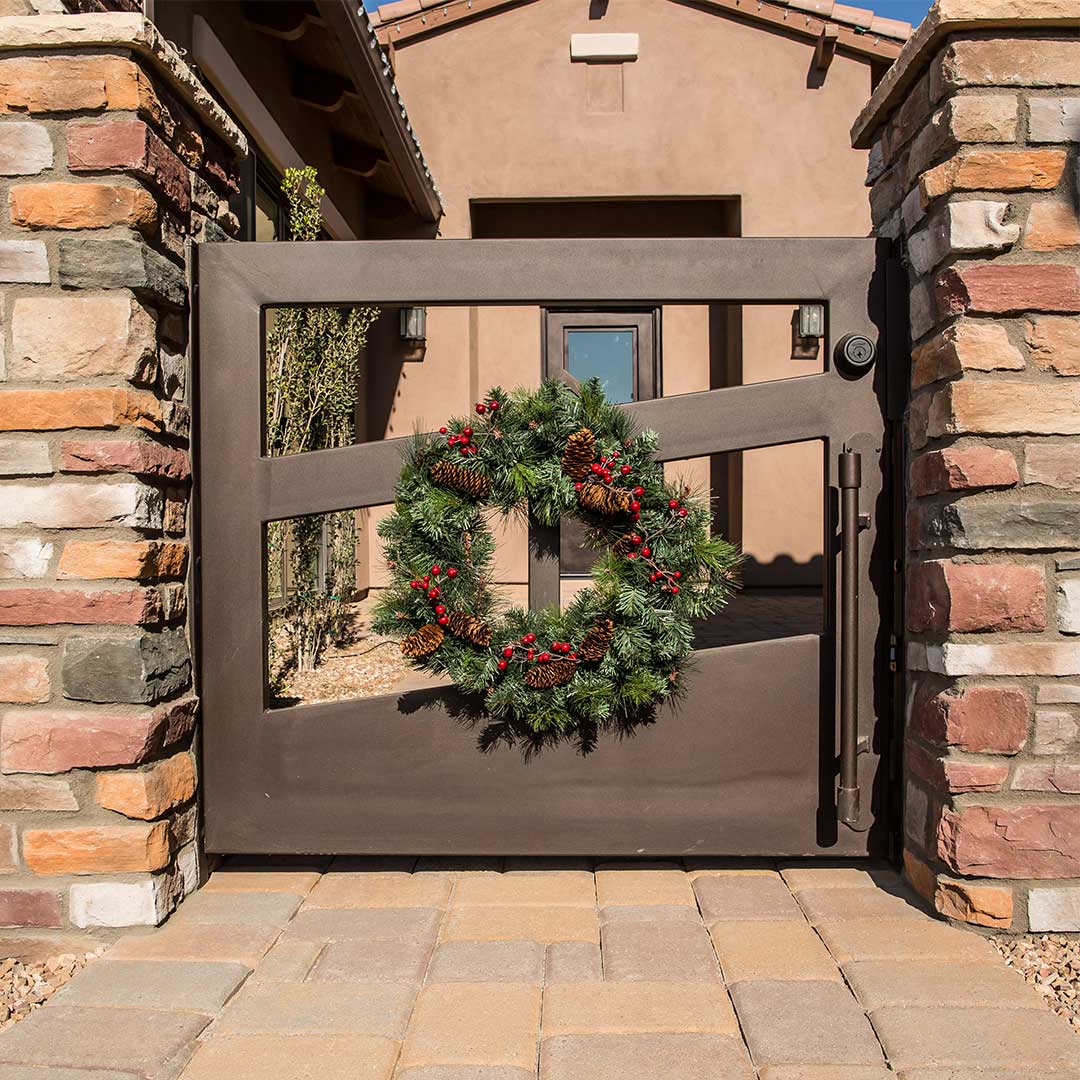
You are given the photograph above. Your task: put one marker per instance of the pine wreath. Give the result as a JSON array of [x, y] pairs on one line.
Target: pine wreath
[[619, 648]]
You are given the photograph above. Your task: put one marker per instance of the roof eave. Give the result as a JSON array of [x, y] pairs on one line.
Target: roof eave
[[371, 74]]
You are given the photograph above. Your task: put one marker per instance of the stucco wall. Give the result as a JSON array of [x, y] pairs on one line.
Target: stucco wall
[[713, 107]]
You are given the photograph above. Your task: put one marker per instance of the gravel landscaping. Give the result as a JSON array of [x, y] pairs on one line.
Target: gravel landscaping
[[26, 986], [1051, 964]]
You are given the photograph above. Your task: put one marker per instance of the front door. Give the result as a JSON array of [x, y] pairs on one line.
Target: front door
[[750, 764]]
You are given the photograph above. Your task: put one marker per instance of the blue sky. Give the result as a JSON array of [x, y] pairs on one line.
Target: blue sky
[[910, 11]]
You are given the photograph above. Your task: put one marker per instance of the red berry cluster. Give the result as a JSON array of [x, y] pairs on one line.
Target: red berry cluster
[[462, 440], [527, 646], [603, 471], [674, 504], [434, 592], [483, 407]]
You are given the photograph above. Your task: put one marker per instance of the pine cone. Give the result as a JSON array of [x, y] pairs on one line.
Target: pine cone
[[422, 642], [552, 673], [597, 640], [469, 628], [624, 545], [578, 454], [467, 481], [605, 501]]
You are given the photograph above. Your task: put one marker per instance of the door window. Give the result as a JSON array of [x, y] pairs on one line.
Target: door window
[[620, 348]]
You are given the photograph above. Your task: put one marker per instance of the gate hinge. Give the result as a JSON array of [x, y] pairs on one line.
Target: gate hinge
[[892, 652]]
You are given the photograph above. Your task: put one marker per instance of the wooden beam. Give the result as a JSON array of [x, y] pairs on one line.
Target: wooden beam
[[825, 49], [320, 89], [285, 19], [355, 156]]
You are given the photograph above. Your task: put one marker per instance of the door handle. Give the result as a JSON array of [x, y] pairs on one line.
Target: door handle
[[850, 481]]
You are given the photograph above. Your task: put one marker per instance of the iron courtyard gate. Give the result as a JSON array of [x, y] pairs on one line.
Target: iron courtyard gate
[[781, 747]]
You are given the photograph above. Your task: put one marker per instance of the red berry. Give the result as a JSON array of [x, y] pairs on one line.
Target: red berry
[[452, 572], [635, 506], [544, 657], [502, 665], [654, 577], [635, 516], [631, 554], [432, 593], [414, 584], [530, 654], [426, 578], [467, 432], [673, 504], [646, 552], [597, 469], [442, 431], [442, 620], [607, 478], [677, 574], [674, 588], [625, 470], [635, 539], [451, 440], [508, 651], [481, 408], [493, 405], [528, 639], [436, 570], [615, 454], [638, 492], [440, 609], [578, 486], [573, 656], [682, 512]]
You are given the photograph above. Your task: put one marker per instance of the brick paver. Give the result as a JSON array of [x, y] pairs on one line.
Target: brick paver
[[298, 1057], [155, 984], [474, 1024], [804, 1023], [546, 969], [380, 890]]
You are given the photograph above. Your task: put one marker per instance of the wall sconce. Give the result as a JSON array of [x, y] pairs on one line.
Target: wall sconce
[[413, 324]]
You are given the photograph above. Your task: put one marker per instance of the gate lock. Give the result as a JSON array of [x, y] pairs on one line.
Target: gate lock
[[856, 353]]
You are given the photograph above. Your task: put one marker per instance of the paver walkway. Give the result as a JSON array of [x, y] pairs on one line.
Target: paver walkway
[[433, 970]]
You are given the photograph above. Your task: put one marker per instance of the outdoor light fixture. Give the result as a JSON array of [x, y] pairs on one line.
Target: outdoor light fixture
[[811, 320], [413, 323]]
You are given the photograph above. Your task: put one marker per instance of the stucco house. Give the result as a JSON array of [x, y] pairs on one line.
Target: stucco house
[[831, 259]]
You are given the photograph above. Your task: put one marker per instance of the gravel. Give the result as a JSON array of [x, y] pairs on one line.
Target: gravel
[[26, 986], [1051, 964]]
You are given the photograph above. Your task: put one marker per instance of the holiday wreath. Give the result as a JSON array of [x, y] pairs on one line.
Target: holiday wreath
[[616, 651]]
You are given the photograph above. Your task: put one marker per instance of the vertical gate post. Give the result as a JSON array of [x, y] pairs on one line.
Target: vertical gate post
[[973, 153]]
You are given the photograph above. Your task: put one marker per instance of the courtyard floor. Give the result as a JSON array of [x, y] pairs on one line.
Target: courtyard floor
[[513, 969]]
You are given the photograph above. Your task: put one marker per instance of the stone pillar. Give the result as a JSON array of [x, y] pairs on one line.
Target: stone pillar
[[113, 158], [973, 137]]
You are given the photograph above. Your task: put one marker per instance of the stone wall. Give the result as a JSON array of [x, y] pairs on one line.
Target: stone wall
[[973, 137], [113, 159]]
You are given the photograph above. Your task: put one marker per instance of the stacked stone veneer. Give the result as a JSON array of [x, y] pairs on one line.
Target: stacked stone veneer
[[112, 159], [974, 171]]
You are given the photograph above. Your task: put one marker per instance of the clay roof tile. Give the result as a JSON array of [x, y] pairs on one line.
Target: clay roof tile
[[862, 19]]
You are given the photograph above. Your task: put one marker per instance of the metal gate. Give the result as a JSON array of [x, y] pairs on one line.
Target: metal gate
[[781, 747]]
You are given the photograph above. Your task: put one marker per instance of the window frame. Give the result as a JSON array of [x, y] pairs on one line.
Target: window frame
[[644, 323]]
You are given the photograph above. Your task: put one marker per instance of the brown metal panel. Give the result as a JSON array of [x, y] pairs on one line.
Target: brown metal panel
[[736, 774]]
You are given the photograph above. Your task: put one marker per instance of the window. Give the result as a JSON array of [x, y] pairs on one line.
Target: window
[[620, 348]]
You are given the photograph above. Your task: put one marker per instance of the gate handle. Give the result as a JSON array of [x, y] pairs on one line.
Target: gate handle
[[850, 480]]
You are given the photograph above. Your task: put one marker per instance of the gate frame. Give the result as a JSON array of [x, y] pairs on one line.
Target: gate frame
[[238, 281]]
